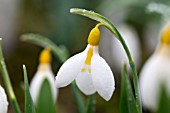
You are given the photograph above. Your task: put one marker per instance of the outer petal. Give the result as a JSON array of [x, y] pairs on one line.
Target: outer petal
[[70, 69], [37, 81], [85, 83], [102, 77], [3, 101]]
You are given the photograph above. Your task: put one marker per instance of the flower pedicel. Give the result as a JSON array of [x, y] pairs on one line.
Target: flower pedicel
[[90, 71]]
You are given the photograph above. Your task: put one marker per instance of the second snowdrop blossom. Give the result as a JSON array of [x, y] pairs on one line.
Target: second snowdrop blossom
[[90, 71], [3, 101], [156, 72], [44, 72]]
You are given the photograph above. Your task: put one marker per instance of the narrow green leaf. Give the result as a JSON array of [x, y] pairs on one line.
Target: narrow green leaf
[[111, 27], [7, 82], [60, 53], [78, 98], [29, 106], [90, 104], [164, 101], [45, 102], [127, 100]]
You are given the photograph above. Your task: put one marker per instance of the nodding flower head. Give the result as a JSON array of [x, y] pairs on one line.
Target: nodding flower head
[[156, 72], [90, 71], [44, 72]]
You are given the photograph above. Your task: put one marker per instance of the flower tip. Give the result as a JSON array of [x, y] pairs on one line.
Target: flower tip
[[45, 56], [107, 98], [165, 35]]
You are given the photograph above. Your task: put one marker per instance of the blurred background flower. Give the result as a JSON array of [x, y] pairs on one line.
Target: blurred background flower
[[43, 73], [52, 19]]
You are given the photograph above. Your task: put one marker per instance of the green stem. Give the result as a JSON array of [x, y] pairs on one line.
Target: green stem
[[78, 98], [7, 82], [133, 70], [90, 108]]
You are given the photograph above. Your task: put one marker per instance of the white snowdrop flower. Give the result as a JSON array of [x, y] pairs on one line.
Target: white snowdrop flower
[[156, 72], [132, 40], [44, 72], [3, 101], [90, 71]]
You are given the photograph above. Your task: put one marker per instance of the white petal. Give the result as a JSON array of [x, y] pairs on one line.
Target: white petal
[[102, 76], [70, 69], [3, 101], [154, 74], [85, 83], [44, 72]]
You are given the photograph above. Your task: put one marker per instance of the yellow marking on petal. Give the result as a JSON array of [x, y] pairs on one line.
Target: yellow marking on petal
[[83, 70], [89, 70], [89, 56], [45, 56], [165, 36], [94, 36]]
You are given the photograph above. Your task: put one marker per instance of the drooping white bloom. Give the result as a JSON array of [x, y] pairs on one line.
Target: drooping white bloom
[[90, 71], [132, 40], [3, 101], [156, 72], [44, 72]]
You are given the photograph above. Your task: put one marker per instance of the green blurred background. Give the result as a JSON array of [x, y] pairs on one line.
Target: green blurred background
[[51, 18]]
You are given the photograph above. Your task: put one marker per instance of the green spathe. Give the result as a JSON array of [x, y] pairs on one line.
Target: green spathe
[[45, 102]]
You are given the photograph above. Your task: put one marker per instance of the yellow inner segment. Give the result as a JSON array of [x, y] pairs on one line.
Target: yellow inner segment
[[94, 36], [83, 70], [89, 56], [88, 60], [165, 37], [45, 56]]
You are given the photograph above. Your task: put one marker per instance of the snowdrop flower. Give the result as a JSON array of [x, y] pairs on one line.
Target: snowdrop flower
[[3, 101], [44, 72], [156, 72], [132, 40], [90, 71]]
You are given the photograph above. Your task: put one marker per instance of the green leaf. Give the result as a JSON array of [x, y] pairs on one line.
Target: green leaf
[[127, 100], [90, 104], [29, 106], [45, 102], [60, 52], [78, 98], [111, 27], [164, 101], [7, 82]]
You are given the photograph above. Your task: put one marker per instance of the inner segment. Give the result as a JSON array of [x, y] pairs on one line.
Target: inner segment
[[87, 62]]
